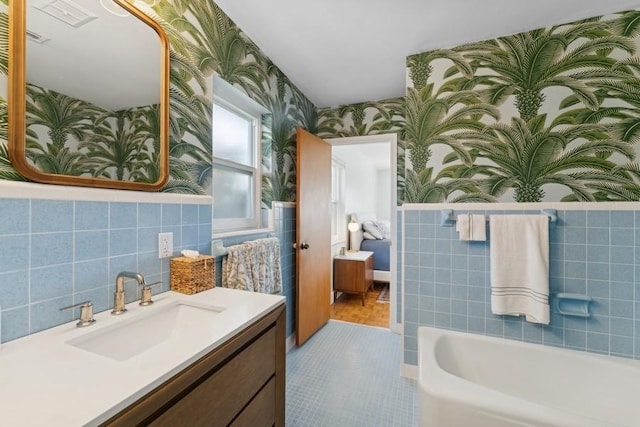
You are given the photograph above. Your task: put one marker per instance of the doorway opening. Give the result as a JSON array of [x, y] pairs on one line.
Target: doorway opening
[[367, 198]]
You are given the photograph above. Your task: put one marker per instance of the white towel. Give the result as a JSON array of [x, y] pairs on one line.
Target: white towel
[[472, 227], [520, 266]]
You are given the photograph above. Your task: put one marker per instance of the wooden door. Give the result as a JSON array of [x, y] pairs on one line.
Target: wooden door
[[313, 235]]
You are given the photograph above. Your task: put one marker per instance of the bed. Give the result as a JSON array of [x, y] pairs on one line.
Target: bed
[[373, 235]]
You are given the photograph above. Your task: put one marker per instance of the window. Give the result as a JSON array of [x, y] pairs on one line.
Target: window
[[338, 219], [236, 166]]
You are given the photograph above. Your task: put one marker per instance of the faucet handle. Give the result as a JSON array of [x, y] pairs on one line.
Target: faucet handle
[[145, 298], [86, 313]]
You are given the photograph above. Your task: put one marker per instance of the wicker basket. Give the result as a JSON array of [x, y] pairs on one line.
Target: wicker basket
[[192, 275]]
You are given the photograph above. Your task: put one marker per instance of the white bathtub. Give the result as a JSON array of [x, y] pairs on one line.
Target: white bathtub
[[469, 380]]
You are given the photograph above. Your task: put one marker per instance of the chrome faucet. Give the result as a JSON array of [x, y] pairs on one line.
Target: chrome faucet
[[86, 313], [118, 297]]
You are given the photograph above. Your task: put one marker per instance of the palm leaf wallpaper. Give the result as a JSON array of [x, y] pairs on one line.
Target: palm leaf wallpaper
[[551, 114], [368, 118], [205, 41], [547, 115]]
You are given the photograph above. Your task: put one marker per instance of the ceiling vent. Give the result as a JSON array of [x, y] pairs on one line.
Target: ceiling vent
[[35, 37], [68, 12]]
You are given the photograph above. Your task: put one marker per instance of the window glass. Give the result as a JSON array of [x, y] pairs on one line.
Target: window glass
[[232, 136], [233, 194]]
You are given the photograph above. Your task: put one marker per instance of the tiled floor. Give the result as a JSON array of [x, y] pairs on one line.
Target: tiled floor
[[349, 308], [348, 375]]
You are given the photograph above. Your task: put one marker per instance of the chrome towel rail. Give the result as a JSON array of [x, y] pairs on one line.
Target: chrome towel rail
[[448, 218]]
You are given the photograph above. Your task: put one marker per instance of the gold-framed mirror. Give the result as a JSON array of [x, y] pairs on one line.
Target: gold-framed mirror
[[81, 119]]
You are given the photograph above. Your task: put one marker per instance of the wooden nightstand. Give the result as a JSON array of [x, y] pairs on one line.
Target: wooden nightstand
[[353, 273]]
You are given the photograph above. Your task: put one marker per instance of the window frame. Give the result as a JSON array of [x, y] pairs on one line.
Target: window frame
[[244, 109], [338, 205]]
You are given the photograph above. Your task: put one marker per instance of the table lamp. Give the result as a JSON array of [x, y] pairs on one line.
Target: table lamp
[[353, 226]]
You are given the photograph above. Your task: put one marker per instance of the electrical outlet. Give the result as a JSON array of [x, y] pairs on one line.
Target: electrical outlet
[[165, 245]]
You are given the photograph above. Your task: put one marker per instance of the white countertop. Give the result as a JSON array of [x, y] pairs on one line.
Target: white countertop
[[46, 382], [355, 256]]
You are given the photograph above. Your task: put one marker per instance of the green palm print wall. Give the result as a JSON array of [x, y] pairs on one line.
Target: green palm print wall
[[368, 118], [204, 41], [551, 114]]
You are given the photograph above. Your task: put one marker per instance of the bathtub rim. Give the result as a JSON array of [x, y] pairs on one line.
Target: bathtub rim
[[447, 387]]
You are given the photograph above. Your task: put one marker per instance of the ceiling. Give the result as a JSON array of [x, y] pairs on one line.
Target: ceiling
[[346, 51], [111, 60]]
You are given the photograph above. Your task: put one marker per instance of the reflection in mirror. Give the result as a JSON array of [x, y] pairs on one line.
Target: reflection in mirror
[[95, 100]]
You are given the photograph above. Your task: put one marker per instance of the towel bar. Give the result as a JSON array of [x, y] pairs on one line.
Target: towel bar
[[447, 218], [218, 249]]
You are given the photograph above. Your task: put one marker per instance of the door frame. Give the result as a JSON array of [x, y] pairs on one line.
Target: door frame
[[392, 140]]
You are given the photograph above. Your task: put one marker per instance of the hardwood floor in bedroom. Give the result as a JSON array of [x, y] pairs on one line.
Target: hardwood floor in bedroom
[[348, 308]]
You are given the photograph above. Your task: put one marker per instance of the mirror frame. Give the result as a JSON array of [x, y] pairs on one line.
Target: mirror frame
[[17, 108]]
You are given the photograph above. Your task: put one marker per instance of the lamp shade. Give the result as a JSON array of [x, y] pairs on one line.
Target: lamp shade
[[353, 226]]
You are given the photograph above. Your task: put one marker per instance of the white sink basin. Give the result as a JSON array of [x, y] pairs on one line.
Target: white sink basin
[[132, 336]]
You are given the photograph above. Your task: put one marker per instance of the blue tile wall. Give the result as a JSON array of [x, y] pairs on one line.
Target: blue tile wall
[[55, 253], [447, 282], [284, 224], [399, 250]]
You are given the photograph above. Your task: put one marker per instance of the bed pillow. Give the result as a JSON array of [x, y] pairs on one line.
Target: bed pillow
[[372, 228], [385, 226], [377, 228], [368, 236]]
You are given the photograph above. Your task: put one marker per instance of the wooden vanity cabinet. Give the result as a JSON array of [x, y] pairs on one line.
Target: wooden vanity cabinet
[[240, 383]]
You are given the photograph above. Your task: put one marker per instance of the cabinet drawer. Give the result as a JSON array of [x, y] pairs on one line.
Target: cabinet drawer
[[221, 396], [261, 411], [348, 275], [352, 275]]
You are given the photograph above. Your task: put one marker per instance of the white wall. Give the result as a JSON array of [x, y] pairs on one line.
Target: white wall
[[368, 180], [360, 182], [383, 195]]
